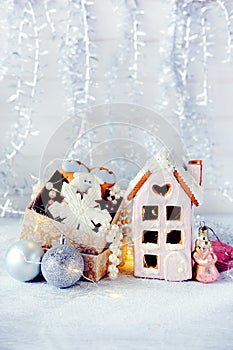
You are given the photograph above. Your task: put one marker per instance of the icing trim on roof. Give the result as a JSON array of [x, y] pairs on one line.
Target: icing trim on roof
[[185, 188], [139, 184], [184, 178]]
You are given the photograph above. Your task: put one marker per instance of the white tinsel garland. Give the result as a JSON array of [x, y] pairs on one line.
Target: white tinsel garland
[[189, 49], [77, 56], [134, 35], [78, 62], [22, 99], [128, 57], [50, 12], [188, 52], [6, 10], [24, 60]]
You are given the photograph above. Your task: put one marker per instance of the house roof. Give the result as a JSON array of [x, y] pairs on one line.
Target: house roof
[[164, 160]]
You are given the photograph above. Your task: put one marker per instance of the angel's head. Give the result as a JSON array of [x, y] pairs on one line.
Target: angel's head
[[203, 241]]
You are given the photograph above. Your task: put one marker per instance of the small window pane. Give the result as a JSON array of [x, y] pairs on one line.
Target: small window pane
[[150, 212], [173, 212], [150, 237], [151, 261], [174, 237]]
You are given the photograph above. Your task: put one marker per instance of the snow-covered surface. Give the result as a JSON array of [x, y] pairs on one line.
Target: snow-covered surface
[[126, 313]]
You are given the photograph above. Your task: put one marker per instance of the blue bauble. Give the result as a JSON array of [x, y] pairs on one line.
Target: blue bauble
[[23, 260], [62, 266]]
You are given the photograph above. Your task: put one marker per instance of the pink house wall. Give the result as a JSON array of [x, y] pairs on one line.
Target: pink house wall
[[174, 260]]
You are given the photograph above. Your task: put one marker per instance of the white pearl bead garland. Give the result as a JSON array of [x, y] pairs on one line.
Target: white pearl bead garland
[[49, 186], [52, 194], [114, 236]]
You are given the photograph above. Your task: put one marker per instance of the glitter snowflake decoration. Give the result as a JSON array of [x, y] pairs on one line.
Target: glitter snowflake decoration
[[79, 211]]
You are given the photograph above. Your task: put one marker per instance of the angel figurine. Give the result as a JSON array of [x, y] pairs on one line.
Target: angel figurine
[[204, 268]]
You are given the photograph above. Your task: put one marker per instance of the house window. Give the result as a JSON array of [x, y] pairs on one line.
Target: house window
[[150, 212], [174, 237], [173, 212], [150, 237], [150, 260]]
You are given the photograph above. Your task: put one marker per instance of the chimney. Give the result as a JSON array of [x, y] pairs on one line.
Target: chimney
[[195, 169]]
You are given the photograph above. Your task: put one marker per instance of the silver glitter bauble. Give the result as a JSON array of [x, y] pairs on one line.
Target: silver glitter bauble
[[23, 259], [62, 266]]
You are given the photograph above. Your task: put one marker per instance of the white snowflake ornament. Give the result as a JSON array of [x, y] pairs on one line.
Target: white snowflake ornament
[[79, 212]]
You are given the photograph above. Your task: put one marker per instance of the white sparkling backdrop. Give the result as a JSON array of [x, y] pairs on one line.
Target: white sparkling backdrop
[[59, 57]]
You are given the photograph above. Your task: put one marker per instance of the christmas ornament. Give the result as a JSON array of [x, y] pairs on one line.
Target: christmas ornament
[[224, 253], [62, 266], [23, 260], [204, 257], [81, 211]]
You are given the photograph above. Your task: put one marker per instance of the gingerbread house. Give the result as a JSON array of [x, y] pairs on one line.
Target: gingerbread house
[[163, 195]]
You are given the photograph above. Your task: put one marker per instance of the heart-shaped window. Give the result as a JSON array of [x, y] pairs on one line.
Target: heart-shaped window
[[162, 190]]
